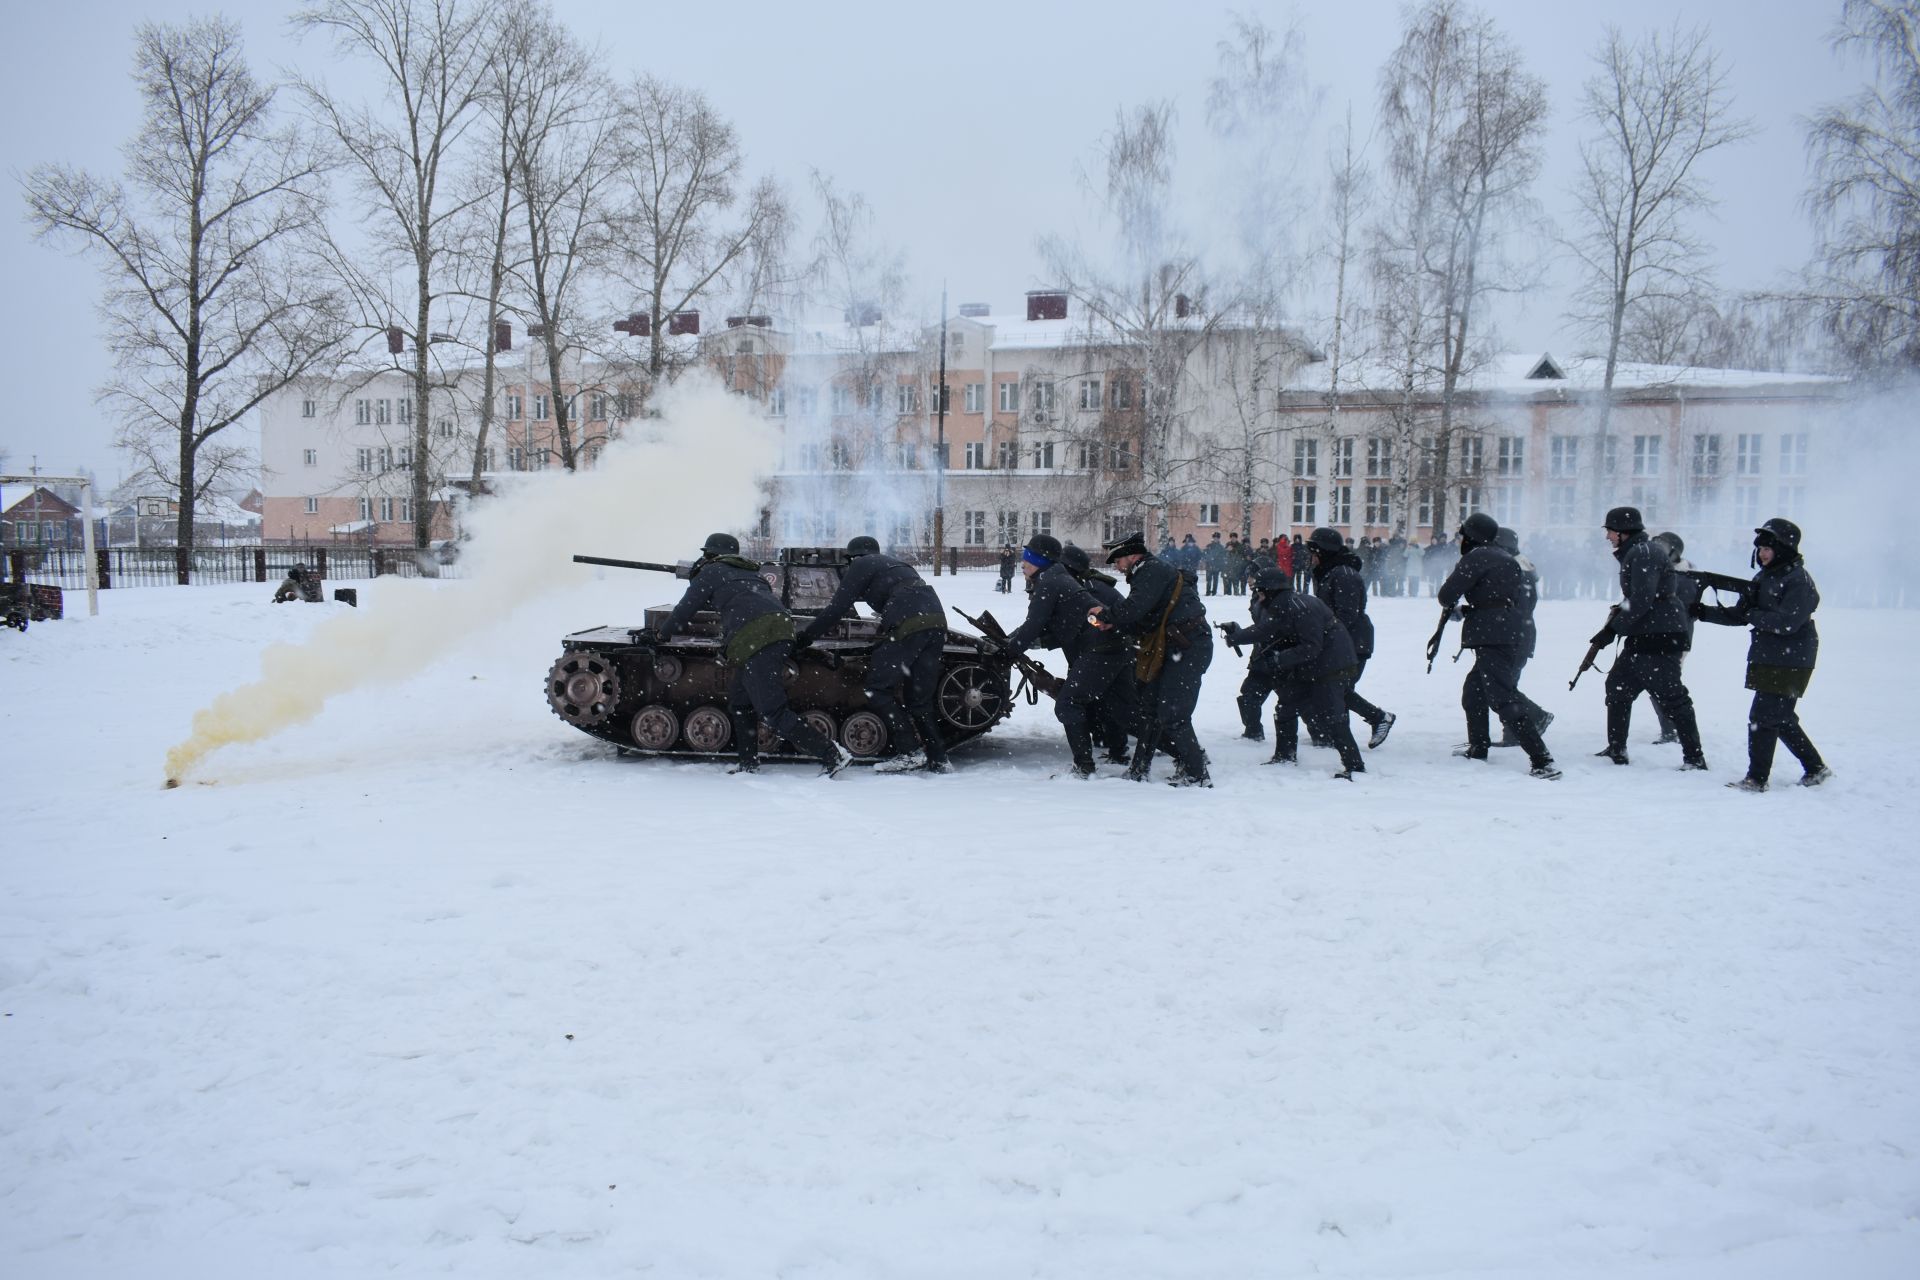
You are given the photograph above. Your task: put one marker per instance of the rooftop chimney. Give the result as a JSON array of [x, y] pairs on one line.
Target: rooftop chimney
[[684, 322], [1046, 304], [396, 340], [637, 325], [975, 309], [503, 335], [758, 322]]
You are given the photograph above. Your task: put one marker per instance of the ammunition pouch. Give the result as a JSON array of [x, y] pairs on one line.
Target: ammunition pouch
[[1786, 682], [916, 624], [768, 628]]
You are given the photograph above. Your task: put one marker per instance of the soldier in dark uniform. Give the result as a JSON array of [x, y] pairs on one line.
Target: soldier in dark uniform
[[1236, 565], [1653, 619], [1486, 583], [1303, 653], [1007, 562], [301, 584], [1508, 541], [1163, 608], [1338, 583], [1116, 711], [757, 641], [1215, 556], [1781, 655], [1057, 611], [903, 671], [1688, 589]]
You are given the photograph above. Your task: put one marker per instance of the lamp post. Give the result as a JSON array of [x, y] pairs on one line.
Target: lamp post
[[940, 443]]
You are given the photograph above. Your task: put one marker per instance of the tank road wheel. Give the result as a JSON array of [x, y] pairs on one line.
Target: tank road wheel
[[822, 722], [582, 688], [655, 728], [769, 740], [708, 729], [864, 734], [667, 668], [971, 697]]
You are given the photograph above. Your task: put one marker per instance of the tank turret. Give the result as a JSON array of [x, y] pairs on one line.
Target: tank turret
[[670, 698]]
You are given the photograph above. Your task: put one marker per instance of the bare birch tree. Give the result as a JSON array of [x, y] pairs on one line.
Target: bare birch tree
[[1866, 191], [431, 59], [1658, 105], [213, 299]]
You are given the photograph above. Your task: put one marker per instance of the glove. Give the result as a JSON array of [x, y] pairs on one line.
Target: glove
[[1696, 610], [646, 636], [1433, 648], [802, 641]]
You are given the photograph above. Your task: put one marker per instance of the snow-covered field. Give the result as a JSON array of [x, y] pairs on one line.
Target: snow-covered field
[[435, 984]]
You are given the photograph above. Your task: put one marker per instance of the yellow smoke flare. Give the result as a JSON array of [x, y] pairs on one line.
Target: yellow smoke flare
[[696, 468]]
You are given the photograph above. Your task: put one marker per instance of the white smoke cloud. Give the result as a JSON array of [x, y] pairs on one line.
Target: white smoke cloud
[[698, 466]]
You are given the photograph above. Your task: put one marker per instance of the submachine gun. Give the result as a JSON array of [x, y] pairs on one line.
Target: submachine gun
[[1742, 587], [1036, 676]]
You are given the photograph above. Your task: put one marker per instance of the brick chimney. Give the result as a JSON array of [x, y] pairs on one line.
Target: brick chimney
[[1046, 304]]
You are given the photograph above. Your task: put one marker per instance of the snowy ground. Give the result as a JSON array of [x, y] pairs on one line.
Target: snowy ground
[[435, 984]]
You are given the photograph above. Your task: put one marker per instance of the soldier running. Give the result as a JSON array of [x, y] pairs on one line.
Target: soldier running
[[757, 641], [1163, 609], [1652, 616], [1306, 657], [1487, 584], [1057, 610], [903, 673], [1337, 583]]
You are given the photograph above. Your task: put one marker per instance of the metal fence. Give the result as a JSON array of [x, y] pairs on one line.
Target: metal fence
[[169, 566]]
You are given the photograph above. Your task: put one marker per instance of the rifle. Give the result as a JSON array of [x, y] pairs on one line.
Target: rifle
[[1742, 587], [684, 569], [1433, 645], [1036, 675], [1601, 640]]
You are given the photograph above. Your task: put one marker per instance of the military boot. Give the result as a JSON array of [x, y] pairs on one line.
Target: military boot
[[746, 743], [1080, 743], [933, 742], [1619, 719], [1142, 767]]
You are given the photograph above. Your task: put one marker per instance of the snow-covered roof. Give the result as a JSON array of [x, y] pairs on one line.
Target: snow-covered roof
[[1525, 373]]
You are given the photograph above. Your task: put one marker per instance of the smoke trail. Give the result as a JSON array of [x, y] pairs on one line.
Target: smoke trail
[[695, 468]]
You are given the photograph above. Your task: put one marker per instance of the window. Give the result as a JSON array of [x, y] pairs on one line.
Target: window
[[1305, 501], [366, 508], [313, 506], [840, 455], [597, 406], [386, 510], [976, 528], [1503, 503], [1040, 398], [1746, 506], [1429, 448], [444, 428], [541, 403], [1119, 457], [1009, 526], [1043, 456], [383, 458], [1306, 462], [1209, 513], [1009, 456], [1379, 506], [1792, 498], [363, 461], [1089, 393], [1706, 456], [1470, 500], [516, 458], [976, 456], [900, 530], [382, 412], [842, 399], [362, 413], [28, 531], [1609, 455], [1117, 525], [808, 457], [1340, 504], [542, 459], [1563, 457], [957, 342], [308, 408], [1010, 397], [1473, 451], [1560, 503], [1379, 461], [406, 510], [1122, 395], [1041, 522], [1510, 458], [908, 397], [311, 457], [1342, 461], [876, 399], [1746, 457], [1647, 498], [487, 458], [906, 457], [1793, 454], [975, 397], [405, 406], [404, 458], [514, 406], [1424, 509], [1646, 455]]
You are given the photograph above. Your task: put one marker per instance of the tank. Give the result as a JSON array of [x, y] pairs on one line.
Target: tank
[[670, 699]]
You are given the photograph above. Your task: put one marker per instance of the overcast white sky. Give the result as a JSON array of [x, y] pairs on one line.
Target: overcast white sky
[[965, 131]]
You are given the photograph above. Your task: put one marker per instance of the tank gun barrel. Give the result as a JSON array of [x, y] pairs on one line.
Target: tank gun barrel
[[682, 570]]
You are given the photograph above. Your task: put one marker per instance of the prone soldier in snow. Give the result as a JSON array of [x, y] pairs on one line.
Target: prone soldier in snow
[[1306, 657], [757, 641], [301, 584], [904, 671], [1781, 655]]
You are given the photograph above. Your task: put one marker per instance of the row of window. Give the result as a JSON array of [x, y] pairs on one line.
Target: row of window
[[1563, 455], [1506, 504], [392, 510], [53, 532], [1006, 527], [906, 398]]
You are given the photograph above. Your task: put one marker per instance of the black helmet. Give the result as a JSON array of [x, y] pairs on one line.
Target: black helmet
[[298, 570], [1479, 528], [1075, 558], [1778, 532], [1625, 520], [1044, 544], [1671, 541], [864, 545], [1129, 544], [1325, 539], [1268, 581], [1507, 540], [721, 544]]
